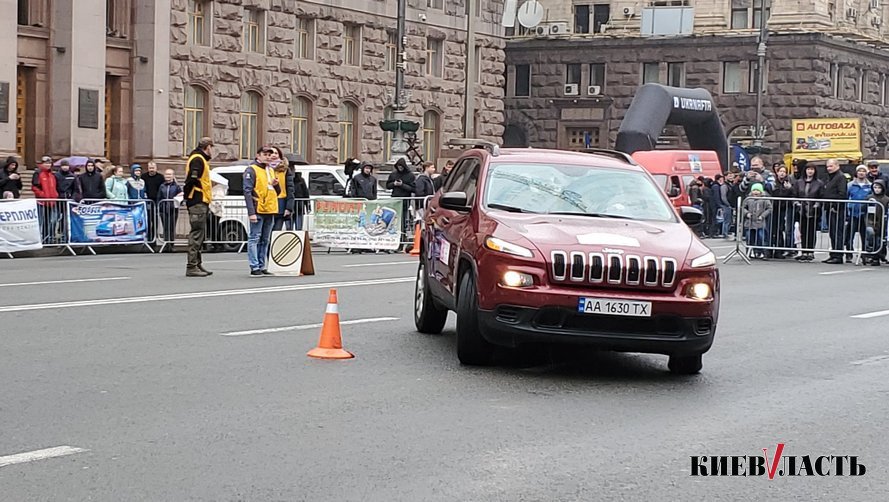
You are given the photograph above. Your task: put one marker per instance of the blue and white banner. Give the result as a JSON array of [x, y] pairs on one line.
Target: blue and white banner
[[107, 222], [19, 226], [741, 157]]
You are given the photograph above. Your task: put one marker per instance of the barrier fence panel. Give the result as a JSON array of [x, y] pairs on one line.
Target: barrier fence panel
[[226, 229], [781, 228]]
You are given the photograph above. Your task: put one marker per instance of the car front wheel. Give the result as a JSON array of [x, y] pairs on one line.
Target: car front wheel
[[685, 365], [472, 348], [428, 317]]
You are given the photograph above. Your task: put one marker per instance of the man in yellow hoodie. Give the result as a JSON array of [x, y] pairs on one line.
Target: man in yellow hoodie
[[261, 189]]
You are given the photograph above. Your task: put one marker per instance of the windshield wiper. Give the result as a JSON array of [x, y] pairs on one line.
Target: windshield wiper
[[511, 209], [594, 215]]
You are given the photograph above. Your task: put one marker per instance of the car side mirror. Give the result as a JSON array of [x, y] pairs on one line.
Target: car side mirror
[[692, 216], [455, 201], [674, 192]]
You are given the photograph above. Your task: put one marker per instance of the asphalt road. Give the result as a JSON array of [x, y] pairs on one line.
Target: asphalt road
[[165, 407]]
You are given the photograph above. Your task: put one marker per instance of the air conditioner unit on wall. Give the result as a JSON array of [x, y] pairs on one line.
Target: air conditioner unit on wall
[[594, 90], [541, 30], [851, 13], [874, 4], [559, 29], [876, 21], [572, 90]]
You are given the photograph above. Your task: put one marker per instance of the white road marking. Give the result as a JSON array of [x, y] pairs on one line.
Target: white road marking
[[382, 263], [721, 247], [305, 326], [30, 456], [721, 257], [837, 272], [201, 294], [871, 360], [871, 315], [66, 281]]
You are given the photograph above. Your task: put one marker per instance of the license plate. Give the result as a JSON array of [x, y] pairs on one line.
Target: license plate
[[612, 306]]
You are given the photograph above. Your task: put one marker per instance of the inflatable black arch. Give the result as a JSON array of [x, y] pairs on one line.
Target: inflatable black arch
[[655, 106]]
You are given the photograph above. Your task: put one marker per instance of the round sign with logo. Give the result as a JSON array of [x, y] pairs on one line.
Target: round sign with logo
[[286, 251]]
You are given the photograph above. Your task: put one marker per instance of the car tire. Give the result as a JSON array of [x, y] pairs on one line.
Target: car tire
[[472, 348], [429, 318], [685, 365]]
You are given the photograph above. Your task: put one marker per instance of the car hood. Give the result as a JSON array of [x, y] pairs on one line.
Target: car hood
[[568, 233]]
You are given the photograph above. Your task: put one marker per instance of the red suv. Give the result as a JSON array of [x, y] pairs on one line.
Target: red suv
[[531, 246]]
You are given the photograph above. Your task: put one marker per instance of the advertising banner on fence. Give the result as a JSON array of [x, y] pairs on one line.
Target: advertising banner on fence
[[19, 226], [107, 222], [817, 138], [358, 224]]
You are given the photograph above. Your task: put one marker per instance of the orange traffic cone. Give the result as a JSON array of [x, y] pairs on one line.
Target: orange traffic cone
[[330, 346], [415, 250]]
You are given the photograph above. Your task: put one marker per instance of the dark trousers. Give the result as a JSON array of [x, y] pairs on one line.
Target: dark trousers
[[197, 217], [836, 226], [169, 215], [856, 225], [151, 209], [808, 225]]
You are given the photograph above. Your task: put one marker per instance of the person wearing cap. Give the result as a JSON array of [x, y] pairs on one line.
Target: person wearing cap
[[755, 215], [135, 184], [45, 186], [837, 189], [874, 174], [261, 190], [859, 189], [198, 195], [364, 184], [876, 225]]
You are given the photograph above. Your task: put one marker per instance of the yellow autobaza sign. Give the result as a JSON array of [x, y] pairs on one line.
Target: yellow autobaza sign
[[826, 136]]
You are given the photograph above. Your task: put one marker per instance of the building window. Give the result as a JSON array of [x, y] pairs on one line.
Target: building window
[[305, 38], [195, 107], [884, 87], [731, 77], [254, 28], [433, 57], [836, 80], [581, 19], [862, 84], [753, 77], [391, 51], [352, 45], [346, 147], [250, 103], [651, 73], [572, 74], [430, 135], [601, 16], [23, 12], [478, 64], [757, 14], [117, 19], [299, 127], [676, 74], [198, 26], [597, 75], [435, 4], [522, 80]]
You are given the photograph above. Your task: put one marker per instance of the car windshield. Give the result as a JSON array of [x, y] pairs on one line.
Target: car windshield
[[567, 189]]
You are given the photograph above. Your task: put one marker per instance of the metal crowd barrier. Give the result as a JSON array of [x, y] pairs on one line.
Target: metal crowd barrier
[[227, 229], [782, 228]]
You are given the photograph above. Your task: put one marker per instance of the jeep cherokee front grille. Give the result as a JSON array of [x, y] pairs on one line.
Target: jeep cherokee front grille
[[599, 268]]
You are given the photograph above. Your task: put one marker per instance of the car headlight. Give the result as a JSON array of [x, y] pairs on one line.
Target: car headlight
[[706, 260], [700, 291], [515, 279], [501, 245]]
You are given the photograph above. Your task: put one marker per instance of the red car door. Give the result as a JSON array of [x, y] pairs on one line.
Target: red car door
[[448, 225]]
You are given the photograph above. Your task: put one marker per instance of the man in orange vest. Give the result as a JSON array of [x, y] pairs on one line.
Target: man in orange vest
[[197, 198], [261, 190]]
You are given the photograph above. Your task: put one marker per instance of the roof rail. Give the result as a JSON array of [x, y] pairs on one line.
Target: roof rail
[[490, 146], [611, 153]]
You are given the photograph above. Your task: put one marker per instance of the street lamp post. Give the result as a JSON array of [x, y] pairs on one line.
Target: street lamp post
[[760, 74], [399, 145]]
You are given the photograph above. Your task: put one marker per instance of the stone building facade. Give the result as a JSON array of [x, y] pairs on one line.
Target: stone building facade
[[137, 80], [820, 63]]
